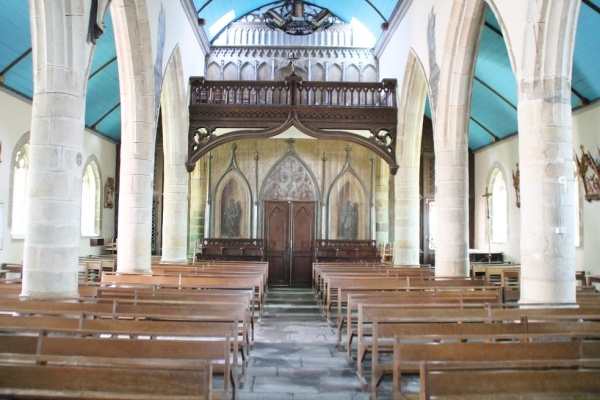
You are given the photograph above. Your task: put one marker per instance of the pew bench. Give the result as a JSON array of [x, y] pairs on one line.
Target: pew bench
[[216, 351], [445, 297], [409, 352], [557, 380], [94, 378], [435, 315], [253, 282]]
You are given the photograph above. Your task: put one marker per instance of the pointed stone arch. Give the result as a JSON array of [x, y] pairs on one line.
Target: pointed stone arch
[[408, 148]]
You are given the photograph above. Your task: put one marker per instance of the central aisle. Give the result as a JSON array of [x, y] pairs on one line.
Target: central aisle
[[295, 355]]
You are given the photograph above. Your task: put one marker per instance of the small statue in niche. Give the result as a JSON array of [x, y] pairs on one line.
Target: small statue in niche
[[349, 222], [109, 189], [517, 185], [231, 218]]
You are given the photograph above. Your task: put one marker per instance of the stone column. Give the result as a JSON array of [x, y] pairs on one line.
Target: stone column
[[452, 204], [546, 155], [61, 59], [406, 224], [406, 181], [138, 134], [176, 191]]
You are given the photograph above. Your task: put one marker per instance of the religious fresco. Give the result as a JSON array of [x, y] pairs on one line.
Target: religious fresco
[[290, 180], [233, 205]]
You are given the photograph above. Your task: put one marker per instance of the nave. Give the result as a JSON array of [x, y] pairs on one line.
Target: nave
[[295, 356]]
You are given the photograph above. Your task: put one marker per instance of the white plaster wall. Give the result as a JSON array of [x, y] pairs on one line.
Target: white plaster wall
[[503, 155], [506, 154], [179, 33], [15, 120], [586, 132]]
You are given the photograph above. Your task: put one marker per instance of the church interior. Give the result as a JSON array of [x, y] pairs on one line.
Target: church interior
[[317, 148]]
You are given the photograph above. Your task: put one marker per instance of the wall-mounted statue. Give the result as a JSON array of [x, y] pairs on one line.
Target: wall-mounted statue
[[109, 189], [517, 185], [231, 219]]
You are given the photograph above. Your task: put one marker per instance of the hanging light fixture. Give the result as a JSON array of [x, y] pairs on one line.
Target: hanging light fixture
[[294, 17]]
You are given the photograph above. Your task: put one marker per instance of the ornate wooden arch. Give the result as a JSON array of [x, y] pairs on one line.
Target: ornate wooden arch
[[262, 109]]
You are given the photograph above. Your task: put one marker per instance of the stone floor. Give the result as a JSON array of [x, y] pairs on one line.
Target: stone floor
[[295, 356]]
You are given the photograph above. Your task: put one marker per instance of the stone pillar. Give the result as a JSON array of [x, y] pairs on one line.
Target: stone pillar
[[138, 134], [61, 59], [406, 224], [452, 203], [546, 155], [175, 195], [175, 212], [406, 181]]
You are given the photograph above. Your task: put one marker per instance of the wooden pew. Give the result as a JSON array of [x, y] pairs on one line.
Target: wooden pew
[[460, 297], [217, 351], [94, 378], [254, 282], [434, 315], [410, 351], [566, 379], [139, 310], [191, 328]]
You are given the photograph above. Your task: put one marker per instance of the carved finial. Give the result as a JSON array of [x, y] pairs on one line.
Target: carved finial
[[256, 156], [290, 143], [348, 151], [324, 157]]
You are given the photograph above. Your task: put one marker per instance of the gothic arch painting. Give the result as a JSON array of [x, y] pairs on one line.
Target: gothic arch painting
[[290, 179], [348, 208], [232, 213]]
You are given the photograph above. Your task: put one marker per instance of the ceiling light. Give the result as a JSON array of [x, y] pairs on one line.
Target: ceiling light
[[294, 17]]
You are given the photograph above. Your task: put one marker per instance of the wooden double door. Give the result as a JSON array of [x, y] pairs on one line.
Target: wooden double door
[[289, 234]]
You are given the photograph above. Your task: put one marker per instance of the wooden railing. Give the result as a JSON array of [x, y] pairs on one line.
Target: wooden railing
[[323, 110], [294, 92]]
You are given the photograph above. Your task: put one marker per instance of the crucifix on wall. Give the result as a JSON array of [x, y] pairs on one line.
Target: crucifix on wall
[[488, 196]]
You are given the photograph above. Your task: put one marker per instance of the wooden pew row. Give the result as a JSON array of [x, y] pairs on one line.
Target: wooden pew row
[[153, 327], [556, 379], [253, 282], [138, 310], [334, 283], [444, 297], [76, 344], [434, 315], [409, 350], [318, 269], [236, 269], [199, 295], [322, 272], [93, 378]]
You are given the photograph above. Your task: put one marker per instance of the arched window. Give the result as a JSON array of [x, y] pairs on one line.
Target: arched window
[[90, 201], [498, 207], [19, 192]]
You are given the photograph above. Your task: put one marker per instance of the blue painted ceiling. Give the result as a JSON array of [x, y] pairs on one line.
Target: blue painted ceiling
[[493, 106]]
